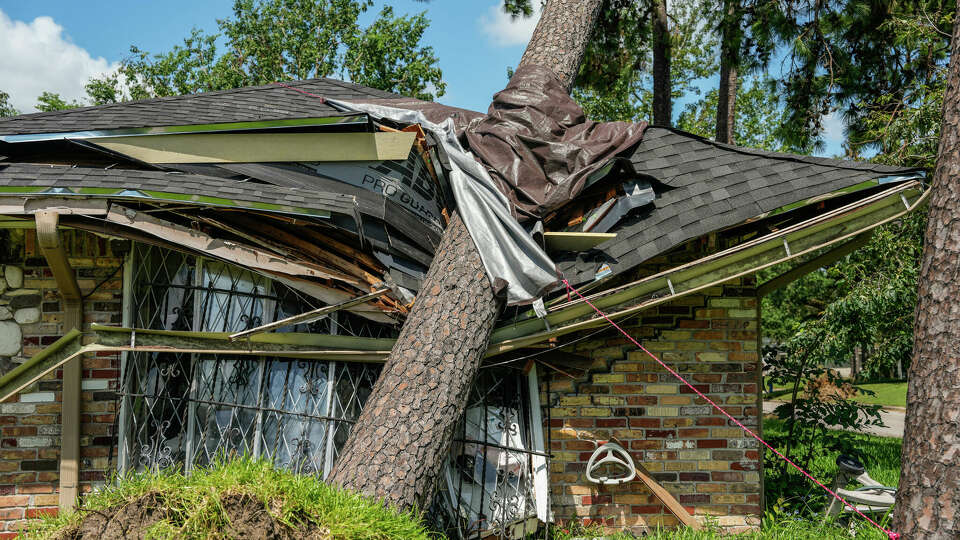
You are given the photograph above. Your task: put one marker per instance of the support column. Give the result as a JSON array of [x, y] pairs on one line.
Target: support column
[[49, 240]]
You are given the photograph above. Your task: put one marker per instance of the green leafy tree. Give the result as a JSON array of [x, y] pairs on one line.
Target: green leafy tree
[[615, 81], [277, 40], [847, 57], [51, 101], [6, 109], [758, 114]]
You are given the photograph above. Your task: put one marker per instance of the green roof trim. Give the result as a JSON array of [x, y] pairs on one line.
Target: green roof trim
[[191, 128], [163, 196]]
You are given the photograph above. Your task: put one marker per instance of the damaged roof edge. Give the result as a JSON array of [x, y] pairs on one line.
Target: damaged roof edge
[[836, 227]]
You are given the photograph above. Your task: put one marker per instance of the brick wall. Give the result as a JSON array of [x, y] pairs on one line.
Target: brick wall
[[710, 465], [30, 423]]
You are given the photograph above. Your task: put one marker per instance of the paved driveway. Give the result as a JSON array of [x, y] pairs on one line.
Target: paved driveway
[[892, 420]]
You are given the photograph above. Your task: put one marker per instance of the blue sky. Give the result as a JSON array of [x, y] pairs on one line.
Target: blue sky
[[56, 45]]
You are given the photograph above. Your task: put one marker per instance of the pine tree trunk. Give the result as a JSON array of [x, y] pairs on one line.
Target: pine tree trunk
[[396, 449], [928, 500], [662, 100], [729, 66]]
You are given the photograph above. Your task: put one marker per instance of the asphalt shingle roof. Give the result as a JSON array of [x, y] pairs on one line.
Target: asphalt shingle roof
[[705, 186], [711, 186], [295, 99]]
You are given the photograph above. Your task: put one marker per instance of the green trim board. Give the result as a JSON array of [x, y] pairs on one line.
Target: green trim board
[[191, 128], [856, 217], [113, 335], [158, 196], [575, 241], [45, 361], [262, 147], [708, 272]]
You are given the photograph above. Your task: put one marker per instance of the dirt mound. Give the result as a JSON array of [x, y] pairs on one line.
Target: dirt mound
[[248, 519]]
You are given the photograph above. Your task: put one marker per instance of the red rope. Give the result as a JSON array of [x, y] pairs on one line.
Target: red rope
[[892, 535], [322, 99]]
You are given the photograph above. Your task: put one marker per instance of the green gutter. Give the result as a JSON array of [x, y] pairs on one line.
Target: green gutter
[[40, 364]]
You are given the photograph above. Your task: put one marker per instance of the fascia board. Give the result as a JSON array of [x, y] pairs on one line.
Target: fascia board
[[257, 125], [262, 147]]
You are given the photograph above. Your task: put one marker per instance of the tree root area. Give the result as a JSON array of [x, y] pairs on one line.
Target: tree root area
[[240, 516]]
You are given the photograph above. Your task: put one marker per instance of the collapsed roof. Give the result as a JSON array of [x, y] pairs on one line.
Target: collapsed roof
[[339, 203]]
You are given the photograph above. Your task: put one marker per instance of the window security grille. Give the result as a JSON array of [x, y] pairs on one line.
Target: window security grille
[[185, 410]]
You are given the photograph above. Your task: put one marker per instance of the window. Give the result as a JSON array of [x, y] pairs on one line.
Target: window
[[186, 409]]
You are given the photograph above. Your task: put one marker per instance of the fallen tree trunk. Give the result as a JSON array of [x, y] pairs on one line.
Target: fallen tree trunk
[[396, 449]]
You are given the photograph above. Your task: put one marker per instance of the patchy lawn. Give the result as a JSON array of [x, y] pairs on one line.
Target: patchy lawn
[[887, 394]]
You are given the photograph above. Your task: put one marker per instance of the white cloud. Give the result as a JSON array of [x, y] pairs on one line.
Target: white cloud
[[37, 57], [504, 31], [833, 129]]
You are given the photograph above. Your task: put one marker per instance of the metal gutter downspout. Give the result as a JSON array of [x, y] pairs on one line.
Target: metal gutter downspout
[[49, 241]]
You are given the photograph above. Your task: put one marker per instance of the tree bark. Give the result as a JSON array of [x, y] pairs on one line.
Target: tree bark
[[397, 448], [928, 500], [662, 100], [729, 66], [560, 38]]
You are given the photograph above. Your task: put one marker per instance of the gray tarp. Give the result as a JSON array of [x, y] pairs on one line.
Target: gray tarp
[[532, 153]]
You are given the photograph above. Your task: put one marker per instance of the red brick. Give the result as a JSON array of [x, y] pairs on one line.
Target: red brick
[[13, 501], [611, 422], [712, 443], [693, 324], [711, 421], [11, 513], [33, 489], [19, 431], [596, 499], [722, 476], [40, 512]]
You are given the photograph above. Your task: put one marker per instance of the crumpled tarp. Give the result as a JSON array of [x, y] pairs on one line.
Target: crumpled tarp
[[533, 152], [539, 147]]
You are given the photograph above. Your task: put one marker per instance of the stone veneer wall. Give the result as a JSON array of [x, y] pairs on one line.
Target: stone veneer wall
[[31, 317], [710, 465]]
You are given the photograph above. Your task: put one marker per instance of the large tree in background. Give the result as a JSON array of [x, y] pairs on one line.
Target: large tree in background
[[843, 57], [928, 498], [6, 109], [398, 446], [277, 40]]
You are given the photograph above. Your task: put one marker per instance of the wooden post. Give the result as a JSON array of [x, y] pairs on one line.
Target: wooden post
[[49, 240]]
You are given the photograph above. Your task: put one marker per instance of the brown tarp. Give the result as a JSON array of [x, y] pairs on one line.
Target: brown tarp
[[538, 146]]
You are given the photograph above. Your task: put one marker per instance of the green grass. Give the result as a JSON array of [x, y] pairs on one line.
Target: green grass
[[194, 503], [772, 529], [880, 455], [888, 394]]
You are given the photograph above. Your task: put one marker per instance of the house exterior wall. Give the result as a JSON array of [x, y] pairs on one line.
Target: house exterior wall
[[31, 309], [711, 466]]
